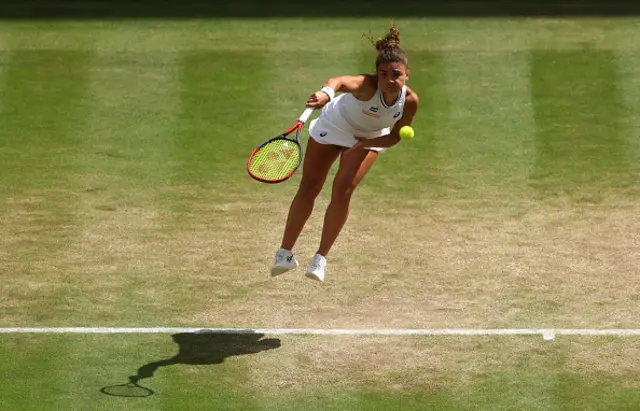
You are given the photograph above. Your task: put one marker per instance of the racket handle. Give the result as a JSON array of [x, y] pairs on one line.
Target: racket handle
[[305, 115]]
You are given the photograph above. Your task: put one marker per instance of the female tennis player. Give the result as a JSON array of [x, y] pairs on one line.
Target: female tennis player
[[363, 120]]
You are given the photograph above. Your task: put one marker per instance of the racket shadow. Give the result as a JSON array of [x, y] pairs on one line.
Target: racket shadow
[[204, 347]]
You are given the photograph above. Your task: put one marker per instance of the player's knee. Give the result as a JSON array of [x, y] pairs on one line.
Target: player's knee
[[342, 191], [310, 188]]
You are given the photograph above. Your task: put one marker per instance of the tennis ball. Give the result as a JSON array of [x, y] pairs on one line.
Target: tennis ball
[[406, 133]]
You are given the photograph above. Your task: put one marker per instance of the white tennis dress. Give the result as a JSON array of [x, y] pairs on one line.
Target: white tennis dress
[[345, 117]]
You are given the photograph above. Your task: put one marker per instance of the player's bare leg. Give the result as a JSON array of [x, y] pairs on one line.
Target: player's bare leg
[[354, 165]]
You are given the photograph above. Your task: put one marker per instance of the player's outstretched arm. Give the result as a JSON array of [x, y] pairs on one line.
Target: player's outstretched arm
[[361, 86]]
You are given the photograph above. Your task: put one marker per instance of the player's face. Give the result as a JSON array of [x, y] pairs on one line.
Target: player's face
[[392, 76]]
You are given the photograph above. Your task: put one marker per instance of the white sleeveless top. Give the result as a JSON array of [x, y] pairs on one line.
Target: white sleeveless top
[[368, 119]]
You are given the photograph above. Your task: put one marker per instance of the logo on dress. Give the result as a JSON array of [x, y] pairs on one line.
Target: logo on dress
[[396, 115], [372, 112]]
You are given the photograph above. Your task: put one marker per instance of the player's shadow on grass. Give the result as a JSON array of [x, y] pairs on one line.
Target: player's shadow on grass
[[200, 348]]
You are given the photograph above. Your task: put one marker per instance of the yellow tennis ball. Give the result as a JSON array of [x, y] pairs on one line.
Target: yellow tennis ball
[[406, 133]]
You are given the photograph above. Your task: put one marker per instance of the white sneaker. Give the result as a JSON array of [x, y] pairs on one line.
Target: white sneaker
[[316, 268], [284, 261]]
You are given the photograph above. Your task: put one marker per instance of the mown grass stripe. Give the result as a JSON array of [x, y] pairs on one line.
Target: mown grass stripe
[[628, 67], [489, 145], [581, 149], [42, 109]]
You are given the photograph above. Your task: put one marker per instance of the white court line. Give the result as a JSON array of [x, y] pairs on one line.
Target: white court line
[[546, 333]]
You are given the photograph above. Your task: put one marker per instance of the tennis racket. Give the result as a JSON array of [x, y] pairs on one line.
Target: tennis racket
[[278, 158]]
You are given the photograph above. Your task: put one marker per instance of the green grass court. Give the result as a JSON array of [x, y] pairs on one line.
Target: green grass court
[[124, 202]]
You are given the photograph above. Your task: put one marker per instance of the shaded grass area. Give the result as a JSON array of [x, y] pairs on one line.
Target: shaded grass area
[[200, 371]]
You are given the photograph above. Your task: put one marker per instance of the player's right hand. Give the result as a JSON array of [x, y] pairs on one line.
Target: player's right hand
[[318, 99]]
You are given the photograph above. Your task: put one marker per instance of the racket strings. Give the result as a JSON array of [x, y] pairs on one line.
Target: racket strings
[[275, 160]]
